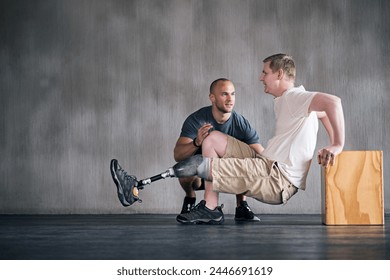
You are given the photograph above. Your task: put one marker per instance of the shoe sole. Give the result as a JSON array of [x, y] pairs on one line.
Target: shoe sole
[[202, 222], [254, 220], [117, 183]]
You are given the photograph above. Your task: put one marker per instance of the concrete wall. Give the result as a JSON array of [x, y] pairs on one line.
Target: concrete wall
[[82, 82]]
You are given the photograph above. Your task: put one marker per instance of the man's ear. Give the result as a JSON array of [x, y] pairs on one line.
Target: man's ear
[[280, 74], [212, 97]]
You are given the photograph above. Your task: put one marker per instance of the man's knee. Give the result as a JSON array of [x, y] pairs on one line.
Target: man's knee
[[214, 137], [216, 142]]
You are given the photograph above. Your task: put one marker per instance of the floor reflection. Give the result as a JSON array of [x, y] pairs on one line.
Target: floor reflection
[[356, 242]]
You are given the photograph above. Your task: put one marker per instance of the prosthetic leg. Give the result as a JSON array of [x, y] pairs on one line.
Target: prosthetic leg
[[128, 186]]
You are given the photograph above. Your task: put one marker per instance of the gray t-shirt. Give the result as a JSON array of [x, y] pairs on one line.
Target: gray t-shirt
[[236, 126]]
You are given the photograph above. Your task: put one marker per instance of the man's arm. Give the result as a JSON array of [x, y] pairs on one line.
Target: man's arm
[[326, 123], [184, 148], [333, 120]]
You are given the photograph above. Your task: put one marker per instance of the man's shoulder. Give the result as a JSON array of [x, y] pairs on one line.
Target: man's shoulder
[[202, 110], [238, 116], [296, 91], [201, 113]]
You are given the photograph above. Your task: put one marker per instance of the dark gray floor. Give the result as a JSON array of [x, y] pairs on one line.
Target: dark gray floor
[[116, 237]]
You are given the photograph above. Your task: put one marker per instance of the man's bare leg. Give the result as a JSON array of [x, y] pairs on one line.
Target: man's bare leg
[[214, 146]]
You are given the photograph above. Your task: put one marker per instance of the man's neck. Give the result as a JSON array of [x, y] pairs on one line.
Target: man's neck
[[219, 116], [283, 88]]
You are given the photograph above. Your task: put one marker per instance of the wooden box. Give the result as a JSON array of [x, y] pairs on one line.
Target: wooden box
[[352, 189]]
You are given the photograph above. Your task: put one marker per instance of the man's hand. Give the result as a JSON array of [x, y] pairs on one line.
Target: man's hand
[[328, 155], [203, 132]]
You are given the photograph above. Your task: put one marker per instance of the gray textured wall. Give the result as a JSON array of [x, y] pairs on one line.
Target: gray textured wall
[[84, 81]]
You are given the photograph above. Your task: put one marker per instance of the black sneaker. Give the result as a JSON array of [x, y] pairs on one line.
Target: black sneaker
[[126, 184], [245, 214], [188, 204], [200, 214]]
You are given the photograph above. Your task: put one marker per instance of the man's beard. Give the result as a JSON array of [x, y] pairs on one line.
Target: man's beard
[[223, 110]]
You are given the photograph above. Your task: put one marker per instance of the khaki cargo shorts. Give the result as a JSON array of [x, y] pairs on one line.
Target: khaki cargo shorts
[[242, 171]]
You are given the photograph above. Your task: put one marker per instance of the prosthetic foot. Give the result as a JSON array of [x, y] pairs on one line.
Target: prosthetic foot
[[128, 186]]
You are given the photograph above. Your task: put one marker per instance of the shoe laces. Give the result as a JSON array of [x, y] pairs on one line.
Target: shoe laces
[[127, 176], [196, 207]]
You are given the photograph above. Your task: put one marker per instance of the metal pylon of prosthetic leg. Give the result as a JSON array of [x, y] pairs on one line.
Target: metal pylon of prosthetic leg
[[167, 174], [185, 168]]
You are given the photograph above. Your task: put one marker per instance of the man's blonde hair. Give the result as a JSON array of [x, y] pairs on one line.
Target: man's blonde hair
[[284, 62]]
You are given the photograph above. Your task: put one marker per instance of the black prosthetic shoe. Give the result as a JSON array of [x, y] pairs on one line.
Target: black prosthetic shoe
[[245, 214], [188, 167], [200, 214], [126, 184]]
